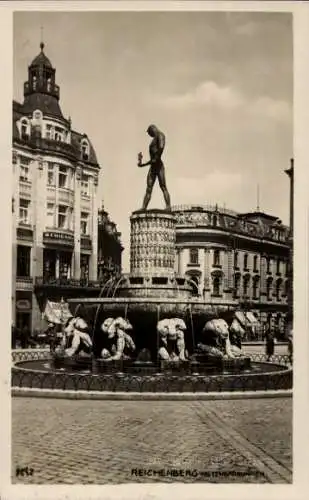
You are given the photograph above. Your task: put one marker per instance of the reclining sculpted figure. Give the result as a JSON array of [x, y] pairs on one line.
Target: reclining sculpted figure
[[76, 339], [119, 344], [171, 339], [216, 341]]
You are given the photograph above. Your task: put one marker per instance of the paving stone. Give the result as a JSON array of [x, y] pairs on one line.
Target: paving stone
[[100, 442]]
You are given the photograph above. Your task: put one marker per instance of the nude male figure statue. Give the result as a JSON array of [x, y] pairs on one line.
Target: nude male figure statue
[[157, 169]]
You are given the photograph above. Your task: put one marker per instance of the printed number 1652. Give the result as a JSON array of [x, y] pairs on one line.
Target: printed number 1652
[[24, 471]]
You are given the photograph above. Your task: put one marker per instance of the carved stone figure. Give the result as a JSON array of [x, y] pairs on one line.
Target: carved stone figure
[[76, 339], [157, 169], [118, 342], [171, 339], [216, 341]]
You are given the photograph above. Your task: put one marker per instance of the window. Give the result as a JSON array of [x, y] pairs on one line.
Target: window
[[216, 286], [255, 288], [34, 82], [48, 84], [62, 217], [63, 177], [24, 211], [278, 270], [84, 185], [49, 131], [23, 261], [236, 285], [84, 223], [194, 256], [50, 219], [84, 267], [255, 263], [236, 255], [268, 289], [246, 261], [85, 150], [51, 175], [65, 260], [216, 258], [58, 134], [195, 284], [268, 264], [24, 169], [246, 285], [215, 220], [278, 290], [24, 130]]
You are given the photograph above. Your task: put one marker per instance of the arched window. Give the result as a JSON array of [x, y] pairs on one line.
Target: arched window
[[278, 290], [216, 282], [236, 255], [255, 261], [269, 284], [34, 82], [193, 256], [246, 261], [195, 284], [24, 129], [246, 282], [236, 285], [85, 150], [216, 258], [255, 287]]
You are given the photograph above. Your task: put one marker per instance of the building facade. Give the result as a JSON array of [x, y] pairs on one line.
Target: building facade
[[54, 203], [229, 256], [109, 248]]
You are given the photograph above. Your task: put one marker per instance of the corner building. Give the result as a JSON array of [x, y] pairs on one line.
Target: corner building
[[233, 256], [54, 204]]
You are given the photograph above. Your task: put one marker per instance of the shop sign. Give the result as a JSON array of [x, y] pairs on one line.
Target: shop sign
[[59, 237], [23, 305]]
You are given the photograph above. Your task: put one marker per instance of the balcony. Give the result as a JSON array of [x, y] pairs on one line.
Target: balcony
[[47, 281]]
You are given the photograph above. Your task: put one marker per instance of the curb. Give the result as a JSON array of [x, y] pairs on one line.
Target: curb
[[147, 396]]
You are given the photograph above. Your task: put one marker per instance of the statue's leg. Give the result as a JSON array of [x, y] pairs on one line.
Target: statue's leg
[[163, 354], [151, 177], [162, 183]]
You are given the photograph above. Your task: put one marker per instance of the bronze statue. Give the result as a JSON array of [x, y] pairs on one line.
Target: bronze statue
[[156, 149]]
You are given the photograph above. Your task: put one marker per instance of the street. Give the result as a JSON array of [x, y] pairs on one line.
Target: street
[[101, 442]]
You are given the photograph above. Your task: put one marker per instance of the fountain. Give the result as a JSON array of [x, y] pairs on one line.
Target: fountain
[[151, 324]]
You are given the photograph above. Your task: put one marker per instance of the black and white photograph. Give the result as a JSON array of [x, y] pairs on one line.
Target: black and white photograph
[[152, 223]]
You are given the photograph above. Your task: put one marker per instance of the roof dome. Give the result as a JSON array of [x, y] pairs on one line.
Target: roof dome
[[41, 59]]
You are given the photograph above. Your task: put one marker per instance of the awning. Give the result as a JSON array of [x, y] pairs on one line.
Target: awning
[[252, 319], [56, 312], [240, 316]]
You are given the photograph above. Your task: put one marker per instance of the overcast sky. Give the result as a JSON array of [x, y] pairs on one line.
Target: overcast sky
[[219, 85]]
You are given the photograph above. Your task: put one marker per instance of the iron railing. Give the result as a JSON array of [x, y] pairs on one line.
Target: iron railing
[[273, 377]]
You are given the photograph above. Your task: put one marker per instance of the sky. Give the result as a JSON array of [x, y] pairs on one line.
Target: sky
[[218, 84]]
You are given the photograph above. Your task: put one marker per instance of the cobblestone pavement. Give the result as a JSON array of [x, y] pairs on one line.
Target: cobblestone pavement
[[100, 442]]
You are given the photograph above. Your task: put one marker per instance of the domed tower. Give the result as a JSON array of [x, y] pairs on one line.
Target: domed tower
[[41, 91]]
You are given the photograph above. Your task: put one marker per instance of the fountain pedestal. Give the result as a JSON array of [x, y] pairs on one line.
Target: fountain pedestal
[[152, 258]]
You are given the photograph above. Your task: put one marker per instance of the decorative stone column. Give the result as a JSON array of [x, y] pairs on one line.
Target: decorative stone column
[[38, 202], [207, 277], [77, 205], [93, 264], [263, 275], [153, 240]]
